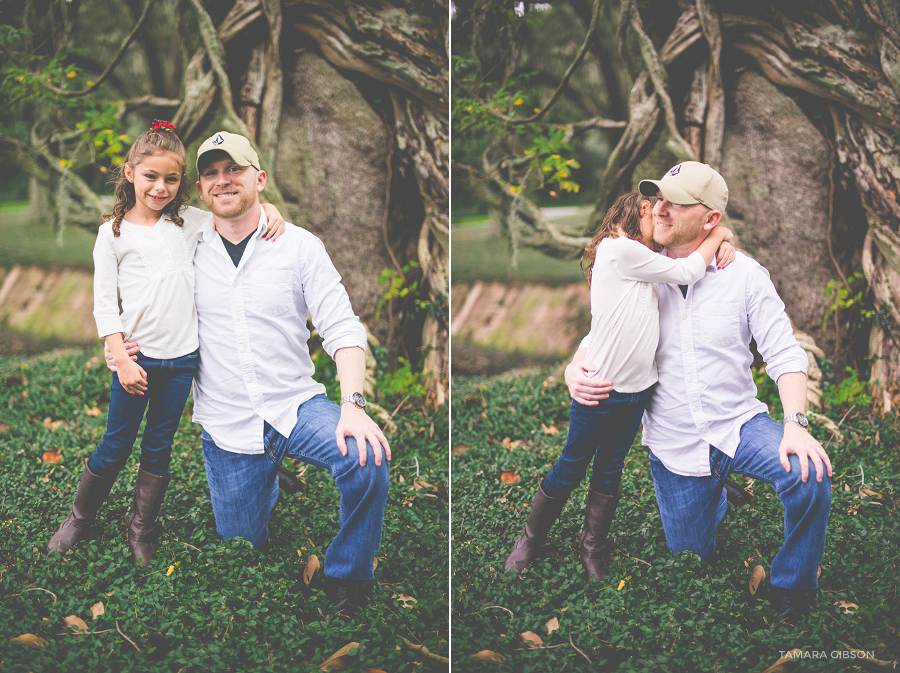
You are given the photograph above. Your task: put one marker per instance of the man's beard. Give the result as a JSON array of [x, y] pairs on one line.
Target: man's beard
[[234, 210]]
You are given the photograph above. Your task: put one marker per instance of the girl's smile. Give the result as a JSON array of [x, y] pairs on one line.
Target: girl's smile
[[156, 179]]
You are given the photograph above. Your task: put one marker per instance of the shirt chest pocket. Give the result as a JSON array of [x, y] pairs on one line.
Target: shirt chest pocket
[[718, 324], [271, 292]]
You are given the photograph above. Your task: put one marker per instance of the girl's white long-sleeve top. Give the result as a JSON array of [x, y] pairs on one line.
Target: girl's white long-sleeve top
[[144, 284], [625, 309]]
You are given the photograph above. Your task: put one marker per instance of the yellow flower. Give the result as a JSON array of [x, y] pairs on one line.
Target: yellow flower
[[71, 74], [90, 82], [519, 101], [172, 569], [21, 78]]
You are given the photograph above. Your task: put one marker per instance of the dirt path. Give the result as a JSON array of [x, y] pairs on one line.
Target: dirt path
[[497, 326], [45, 308]]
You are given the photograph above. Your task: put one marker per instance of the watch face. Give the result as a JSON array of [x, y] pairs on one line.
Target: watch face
[[359, 400], [801, 419]]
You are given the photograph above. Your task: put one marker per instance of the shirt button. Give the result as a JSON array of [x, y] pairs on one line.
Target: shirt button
[[234, 284], [249, 379], [684, 317], [695, 408]]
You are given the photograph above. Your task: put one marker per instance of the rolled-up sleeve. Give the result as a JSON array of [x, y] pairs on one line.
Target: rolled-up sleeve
[[327, 299], [771, 328], [106, 292]]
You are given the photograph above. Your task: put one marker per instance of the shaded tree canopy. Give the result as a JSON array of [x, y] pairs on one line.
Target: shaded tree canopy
[[346, 102], [797, 104]]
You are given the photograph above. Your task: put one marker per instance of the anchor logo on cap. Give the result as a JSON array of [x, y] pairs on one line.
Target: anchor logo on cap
[[218, 140]]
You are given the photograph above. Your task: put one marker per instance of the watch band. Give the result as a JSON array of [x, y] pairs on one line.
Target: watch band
[[798, 418], [356, 399]]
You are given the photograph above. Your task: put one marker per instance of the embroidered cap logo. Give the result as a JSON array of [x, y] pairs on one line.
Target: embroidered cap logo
[[676, 170], [218, 140]]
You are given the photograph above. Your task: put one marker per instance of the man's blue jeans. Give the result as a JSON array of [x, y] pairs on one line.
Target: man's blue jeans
[[693, 507], [168, 386], [603, 432], [244, 487]]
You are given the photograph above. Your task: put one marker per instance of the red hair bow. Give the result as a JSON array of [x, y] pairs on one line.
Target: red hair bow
[[162, 125]]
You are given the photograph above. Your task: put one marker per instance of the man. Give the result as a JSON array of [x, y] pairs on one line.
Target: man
[[703, 420], [254, 394]]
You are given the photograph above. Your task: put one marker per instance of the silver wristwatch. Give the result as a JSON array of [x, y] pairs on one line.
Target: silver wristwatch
[[356, 399], [798, 418]]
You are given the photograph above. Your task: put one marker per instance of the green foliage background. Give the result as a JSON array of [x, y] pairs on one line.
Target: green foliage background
[[671, 613], [225, 606]]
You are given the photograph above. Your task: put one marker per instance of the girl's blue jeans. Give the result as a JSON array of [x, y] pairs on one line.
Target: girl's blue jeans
[[693, 507], [603, 432], [244, 488], [168, 386]]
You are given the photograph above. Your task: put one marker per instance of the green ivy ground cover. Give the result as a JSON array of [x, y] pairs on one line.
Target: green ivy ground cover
[[655, 612], [207, 605]]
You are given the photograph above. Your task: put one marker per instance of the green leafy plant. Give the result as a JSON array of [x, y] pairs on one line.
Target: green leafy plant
[[848, 393], [655, 611], [208, 604]]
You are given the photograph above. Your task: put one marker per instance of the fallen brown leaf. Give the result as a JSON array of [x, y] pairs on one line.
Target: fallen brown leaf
[[549, 430], [93, 411], [97, 609], [782, 665], [51, 456], [374, 564], [339, 660], [531, 637], [488, 655], [76, 623], [847, 607], [756, 578], [405, 601], [373, 670], [509, 477], [4, 427], [460, 449], [30, 639], [312, 567], [552, 625]]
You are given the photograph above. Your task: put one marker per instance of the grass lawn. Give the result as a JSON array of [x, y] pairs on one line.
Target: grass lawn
[[23, 241], [478, 254], [656, 612], [207, 604]]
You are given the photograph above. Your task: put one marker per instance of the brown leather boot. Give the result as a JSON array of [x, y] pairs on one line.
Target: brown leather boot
[[599, 511], [149, 490], [92, 491], [544, 512]]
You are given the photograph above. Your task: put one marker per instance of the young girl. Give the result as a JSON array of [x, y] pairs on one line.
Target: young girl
[[144, 257], [625, 271]]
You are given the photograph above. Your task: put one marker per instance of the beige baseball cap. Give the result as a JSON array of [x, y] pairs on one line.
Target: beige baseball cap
[[236, 146], [690, 182]]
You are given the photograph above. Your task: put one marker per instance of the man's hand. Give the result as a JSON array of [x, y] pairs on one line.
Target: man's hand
[[584, 389], [356, 423], [131, 348], [798, 441]]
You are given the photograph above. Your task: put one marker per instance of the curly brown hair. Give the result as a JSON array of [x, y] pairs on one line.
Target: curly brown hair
[[155, 141], [625, 213]]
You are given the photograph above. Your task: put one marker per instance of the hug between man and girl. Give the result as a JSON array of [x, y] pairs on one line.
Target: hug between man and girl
[[669, 345], [182, 296]]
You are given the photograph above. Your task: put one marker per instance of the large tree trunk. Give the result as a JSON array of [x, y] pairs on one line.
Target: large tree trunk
[[347, 104], [798, 106]]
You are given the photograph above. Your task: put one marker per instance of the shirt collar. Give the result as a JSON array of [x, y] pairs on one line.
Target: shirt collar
[[209, 228]]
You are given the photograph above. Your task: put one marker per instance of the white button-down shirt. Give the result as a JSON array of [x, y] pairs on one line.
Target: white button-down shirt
[[706, 390], [254, 357]]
